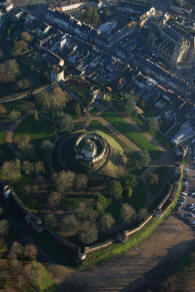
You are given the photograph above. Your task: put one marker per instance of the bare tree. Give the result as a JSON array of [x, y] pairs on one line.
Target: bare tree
[[39, 167], [28, 167], [16, 250], [81, 181], [89, 233], [50, 220], [127, 212], [30, 252], [54, 200], [52, 100], [14, 115], [106, 221], [69, 223], [63, 180], [115, 189], [10, 170], [9, 70], [47, 145]]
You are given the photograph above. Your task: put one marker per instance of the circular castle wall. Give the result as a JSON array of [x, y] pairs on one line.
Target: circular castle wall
[[97, 139]]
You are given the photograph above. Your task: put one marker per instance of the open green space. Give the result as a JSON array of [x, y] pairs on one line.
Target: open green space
[[34, 203], [5, 152], [2, 137], [72, 203], [131, 133], [44, 282], [140, 121], [38, 130], [33, 79], [96, 125], [19, 105]]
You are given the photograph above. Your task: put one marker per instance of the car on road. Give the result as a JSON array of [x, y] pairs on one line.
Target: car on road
[[184, 194], [191, 215], [193, 195]]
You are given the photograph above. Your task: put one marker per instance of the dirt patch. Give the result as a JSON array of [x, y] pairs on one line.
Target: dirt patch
[[126, 273]]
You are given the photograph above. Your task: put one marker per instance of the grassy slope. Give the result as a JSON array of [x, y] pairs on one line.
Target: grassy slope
[[131, 133], [96, 125]]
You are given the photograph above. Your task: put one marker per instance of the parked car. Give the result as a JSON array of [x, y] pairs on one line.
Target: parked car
[[191, 215], [185, 184]]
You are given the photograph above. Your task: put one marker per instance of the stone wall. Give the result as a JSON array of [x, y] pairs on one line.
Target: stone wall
[[94, 137]]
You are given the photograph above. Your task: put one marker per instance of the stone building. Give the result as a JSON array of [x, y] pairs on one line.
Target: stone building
[[57, 73], [90, 148], [168, 44]]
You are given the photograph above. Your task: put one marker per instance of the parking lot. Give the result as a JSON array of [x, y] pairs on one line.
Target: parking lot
[[185, 208]]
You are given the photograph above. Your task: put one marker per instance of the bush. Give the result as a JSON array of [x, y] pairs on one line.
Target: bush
[[81, 181]]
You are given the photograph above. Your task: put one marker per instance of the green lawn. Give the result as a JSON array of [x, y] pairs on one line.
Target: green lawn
[[6, 153], [96, 125], [44, 279], [38, 130], [20, 105], [71, 204], [141, 122], [2, 137], [131, 133], [32, 202], [114, 144]]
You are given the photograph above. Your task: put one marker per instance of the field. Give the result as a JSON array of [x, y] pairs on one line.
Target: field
[[130, 132], [141, 122], [38, 130]]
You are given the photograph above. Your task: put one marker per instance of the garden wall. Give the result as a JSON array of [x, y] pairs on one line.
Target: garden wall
[[96, 247]]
